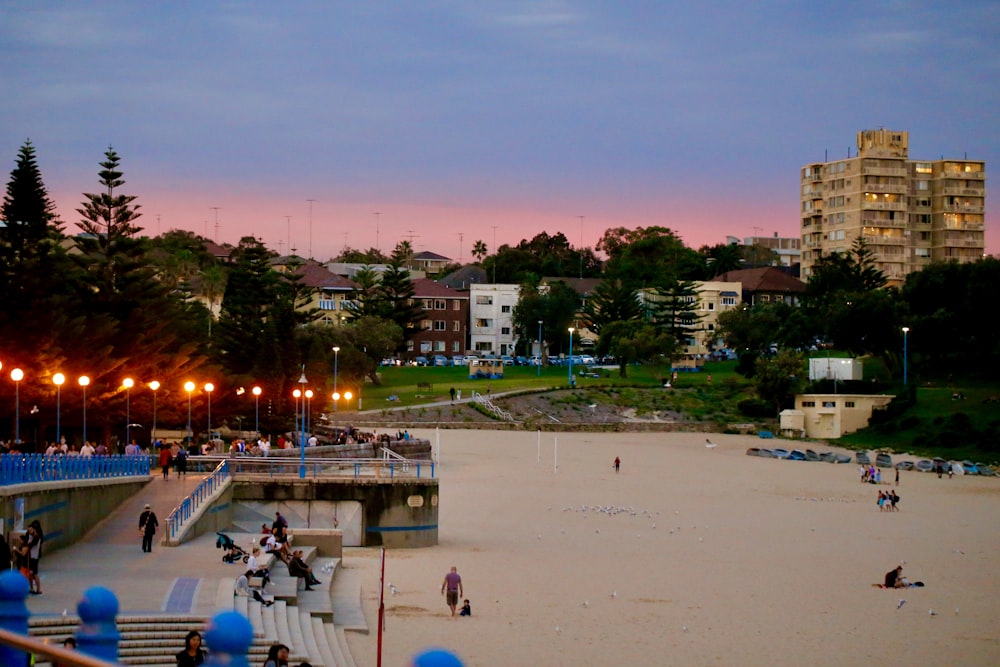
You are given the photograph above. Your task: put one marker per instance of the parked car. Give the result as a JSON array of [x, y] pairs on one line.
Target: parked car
[[507, 359], [472, 360], [521, 361], [458, 360], [535, 361], [587, 359], [441, 360], [421, 361]]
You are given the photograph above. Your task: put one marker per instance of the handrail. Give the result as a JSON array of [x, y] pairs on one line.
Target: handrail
[[38, 647], [390, 454], [317, 469], [492, 407], [202, 492], [31, 468]]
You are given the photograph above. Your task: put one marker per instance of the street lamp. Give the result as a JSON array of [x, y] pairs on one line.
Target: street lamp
[[256, 410], [336, 355], [58, 379], [189, 387], [347, 397], [308, 410], [17, 375], [302, 436], [906, 331], [539, 348], [571, 330], [154, 385], [84, 381], [209, 388], [128, 383]]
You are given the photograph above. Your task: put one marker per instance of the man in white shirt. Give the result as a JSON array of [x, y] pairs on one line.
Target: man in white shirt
[[313, 441], [87, 450]]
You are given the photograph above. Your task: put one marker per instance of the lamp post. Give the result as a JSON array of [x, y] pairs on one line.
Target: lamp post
[[128, 383], [308, 404], [155, 386], [189, 387], [539, 348], [209, 388], [58, 379], [256, 410], [571, 330], [84, 381], [17, 375], [336, 356], [302, 437], [906, 331]]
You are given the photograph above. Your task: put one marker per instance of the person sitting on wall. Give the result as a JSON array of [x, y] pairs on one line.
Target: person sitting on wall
[[298, 568]]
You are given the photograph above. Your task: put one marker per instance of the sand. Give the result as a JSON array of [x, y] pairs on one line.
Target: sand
[[716, 559]]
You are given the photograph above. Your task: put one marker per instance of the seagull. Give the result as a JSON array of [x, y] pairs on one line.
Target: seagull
[[900, 603], [710, 444], [932, 612], [684, 628], [614, 594], [586, 603], [557, 628]]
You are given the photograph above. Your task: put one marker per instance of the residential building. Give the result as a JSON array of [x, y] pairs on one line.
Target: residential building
[[430, 263], [713, 297], [491, 318], [766, 284], [330, 293], [909, 212], [444, 327], [785, 247]]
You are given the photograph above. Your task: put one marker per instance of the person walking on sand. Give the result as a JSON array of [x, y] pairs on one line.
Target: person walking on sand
[[452, 585], [618, 464], [147, 528]]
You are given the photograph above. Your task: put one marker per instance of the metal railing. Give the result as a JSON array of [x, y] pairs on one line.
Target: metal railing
[[201, 493], [30, 468], [492, 407], [318, 469], [228, 635]]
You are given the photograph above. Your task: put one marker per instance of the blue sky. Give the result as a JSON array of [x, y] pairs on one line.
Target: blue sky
[[454, 118]]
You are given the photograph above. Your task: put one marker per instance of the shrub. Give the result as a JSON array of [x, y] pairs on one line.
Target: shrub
[[755, 407]]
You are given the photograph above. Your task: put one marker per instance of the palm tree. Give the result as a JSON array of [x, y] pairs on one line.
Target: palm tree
[[479, 250]]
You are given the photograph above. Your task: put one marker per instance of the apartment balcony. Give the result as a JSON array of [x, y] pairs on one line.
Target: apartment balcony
[[883, 206], [874, 222], [884, 240], [963, 175], [962, 208], [883, 171], [961, 191], [885, 188]]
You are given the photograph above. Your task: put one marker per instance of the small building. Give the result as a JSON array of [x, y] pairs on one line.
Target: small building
[[792, 423], [444, 326], [835, 415], [835, 369], [491, 318]]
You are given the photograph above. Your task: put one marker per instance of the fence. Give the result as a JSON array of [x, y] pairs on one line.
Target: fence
[[228, 635], [28, 468], [201, 493], [316, 469]]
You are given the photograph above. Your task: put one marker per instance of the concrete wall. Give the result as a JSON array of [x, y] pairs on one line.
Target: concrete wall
[[67, 511], [396, 513]]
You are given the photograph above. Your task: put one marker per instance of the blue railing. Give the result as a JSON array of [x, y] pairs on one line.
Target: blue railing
[[201, 493], [332, 468], [28, 468], [228, 634]]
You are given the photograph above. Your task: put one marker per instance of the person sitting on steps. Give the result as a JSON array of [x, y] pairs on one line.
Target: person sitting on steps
[[298, 568]]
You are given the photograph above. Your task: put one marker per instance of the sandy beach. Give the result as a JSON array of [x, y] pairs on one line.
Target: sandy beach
[[691, 555]]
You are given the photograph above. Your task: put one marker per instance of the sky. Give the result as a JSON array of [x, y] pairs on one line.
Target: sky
[[444, 122]]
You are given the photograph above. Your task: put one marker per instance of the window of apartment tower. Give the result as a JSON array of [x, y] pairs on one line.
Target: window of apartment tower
[[439, 304], [505, 331], [440, 325], [456, 325], [456, 305], [426, 325], [504, 309], [428, 304]]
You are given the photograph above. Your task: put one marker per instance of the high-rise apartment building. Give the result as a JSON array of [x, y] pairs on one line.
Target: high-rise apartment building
[[909, 212]]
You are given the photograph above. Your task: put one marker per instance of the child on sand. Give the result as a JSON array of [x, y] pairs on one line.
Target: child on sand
[[466, 609]]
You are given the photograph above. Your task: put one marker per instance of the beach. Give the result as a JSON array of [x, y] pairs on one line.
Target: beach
[[691, 555]]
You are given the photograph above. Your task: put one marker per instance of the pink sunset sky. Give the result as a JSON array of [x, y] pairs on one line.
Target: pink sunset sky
[[453, 118]]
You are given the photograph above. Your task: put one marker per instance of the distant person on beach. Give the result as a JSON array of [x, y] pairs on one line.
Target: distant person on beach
[[618, 464], [452, 392], [466, 609], [452, 585], [147, 528]]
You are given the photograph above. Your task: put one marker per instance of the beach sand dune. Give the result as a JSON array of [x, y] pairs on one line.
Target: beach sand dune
[[689, 556]]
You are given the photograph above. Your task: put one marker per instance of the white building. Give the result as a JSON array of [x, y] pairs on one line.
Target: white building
[[491, 318]]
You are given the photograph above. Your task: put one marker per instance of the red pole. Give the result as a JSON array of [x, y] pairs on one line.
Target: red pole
[[381, 607]]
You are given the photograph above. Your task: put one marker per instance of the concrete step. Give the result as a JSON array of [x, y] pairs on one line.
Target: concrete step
[[305, 622], [323, 643], [345, 649]]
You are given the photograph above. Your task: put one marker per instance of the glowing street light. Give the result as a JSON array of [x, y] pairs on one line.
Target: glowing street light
[[189, 387], [302, 437], [58, 379], [336, 356], [17, 375], [84, 381], [128, 383], [155, 386], [256, 410], [347, 397], [571, 330], [209, 388], [308, 410]]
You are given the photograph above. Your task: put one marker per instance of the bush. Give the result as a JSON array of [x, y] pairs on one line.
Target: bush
[[755, 407]]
